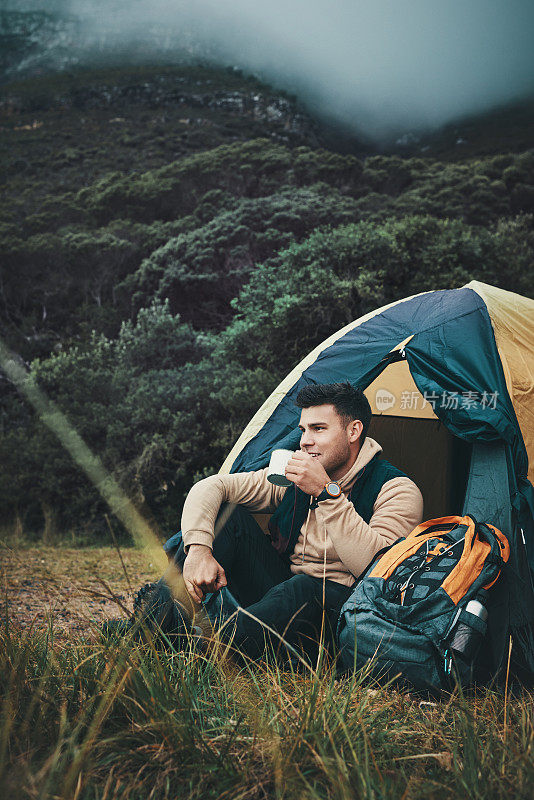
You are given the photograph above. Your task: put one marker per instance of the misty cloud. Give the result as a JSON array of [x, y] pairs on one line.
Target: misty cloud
[[383, 67]]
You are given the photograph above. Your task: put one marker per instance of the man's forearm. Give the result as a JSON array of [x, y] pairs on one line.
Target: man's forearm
[[200, 512], [250, 489]]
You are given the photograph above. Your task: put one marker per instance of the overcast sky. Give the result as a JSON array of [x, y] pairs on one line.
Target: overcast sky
[[384, 66]]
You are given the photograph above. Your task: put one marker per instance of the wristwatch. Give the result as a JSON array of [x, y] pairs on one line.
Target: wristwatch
[[331, 491]]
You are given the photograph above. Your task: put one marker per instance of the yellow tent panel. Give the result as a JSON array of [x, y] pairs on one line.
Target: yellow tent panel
[[512, 317]]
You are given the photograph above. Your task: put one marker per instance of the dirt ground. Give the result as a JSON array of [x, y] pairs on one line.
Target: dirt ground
[[70, 590]]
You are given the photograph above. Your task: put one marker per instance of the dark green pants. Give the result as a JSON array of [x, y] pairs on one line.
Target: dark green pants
[[291, 606]]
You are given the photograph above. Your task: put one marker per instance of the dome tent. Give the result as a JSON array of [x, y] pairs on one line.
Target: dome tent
[[450, 378]]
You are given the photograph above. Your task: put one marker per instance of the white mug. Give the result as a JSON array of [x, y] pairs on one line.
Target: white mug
[[277, 467]]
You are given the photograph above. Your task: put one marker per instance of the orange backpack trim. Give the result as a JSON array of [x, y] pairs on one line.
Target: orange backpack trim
[[470, 565], [408, 546]]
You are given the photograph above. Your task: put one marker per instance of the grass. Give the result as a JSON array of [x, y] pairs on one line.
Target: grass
[[85, 719]]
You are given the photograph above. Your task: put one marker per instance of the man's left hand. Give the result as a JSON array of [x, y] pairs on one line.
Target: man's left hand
[[307, 473]]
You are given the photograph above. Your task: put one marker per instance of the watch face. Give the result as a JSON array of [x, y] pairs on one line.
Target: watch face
[[333, 489]]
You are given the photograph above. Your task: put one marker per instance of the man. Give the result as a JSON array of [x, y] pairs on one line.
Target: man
[[344, 506]]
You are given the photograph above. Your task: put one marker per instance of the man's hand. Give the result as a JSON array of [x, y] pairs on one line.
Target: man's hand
[[307, 473], [201, 572]]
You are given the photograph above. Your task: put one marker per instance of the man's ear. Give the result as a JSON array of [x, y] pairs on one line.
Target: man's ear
[[355, 429]]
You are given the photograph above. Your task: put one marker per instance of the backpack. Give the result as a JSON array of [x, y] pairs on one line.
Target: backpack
[[418, 614]]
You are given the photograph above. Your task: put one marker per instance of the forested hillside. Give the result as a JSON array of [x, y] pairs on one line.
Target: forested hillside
[[174, 240]]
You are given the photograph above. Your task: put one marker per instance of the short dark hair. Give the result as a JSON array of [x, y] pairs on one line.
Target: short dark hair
[[348, 400]]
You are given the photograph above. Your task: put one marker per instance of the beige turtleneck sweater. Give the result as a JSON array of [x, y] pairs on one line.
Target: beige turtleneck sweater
[[334, 542]]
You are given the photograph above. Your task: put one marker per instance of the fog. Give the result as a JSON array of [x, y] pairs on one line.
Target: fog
[[383, 67]]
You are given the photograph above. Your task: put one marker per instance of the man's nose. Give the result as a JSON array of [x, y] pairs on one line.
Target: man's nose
[[306, 440]]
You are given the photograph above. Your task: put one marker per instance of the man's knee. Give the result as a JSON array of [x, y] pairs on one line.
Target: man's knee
[[304, 589], [233, 520], [174, 547], [314, 600]]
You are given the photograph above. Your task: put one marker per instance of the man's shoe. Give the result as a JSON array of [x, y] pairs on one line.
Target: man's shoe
[[156, 610]]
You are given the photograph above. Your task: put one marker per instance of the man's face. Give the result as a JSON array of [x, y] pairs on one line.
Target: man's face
[[325, 437]]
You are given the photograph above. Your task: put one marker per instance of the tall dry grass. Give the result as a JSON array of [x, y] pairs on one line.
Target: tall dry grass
[[103, 720]]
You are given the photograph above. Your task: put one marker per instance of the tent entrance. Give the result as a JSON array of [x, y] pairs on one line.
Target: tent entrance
[[430, 455], [416, 441]]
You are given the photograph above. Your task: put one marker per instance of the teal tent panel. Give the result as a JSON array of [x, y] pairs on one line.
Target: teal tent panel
[[487, 496], [453, 350]]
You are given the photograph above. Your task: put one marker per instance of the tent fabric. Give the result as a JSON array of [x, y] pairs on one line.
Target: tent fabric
[[452, 339], [489, 471], [268, 408], [452, 358], [487, 497], [388, 392], [512, 318]]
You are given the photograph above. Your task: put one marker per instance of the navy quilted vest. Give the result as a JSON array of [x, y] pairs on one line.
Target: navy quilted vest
[[286, 522]]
